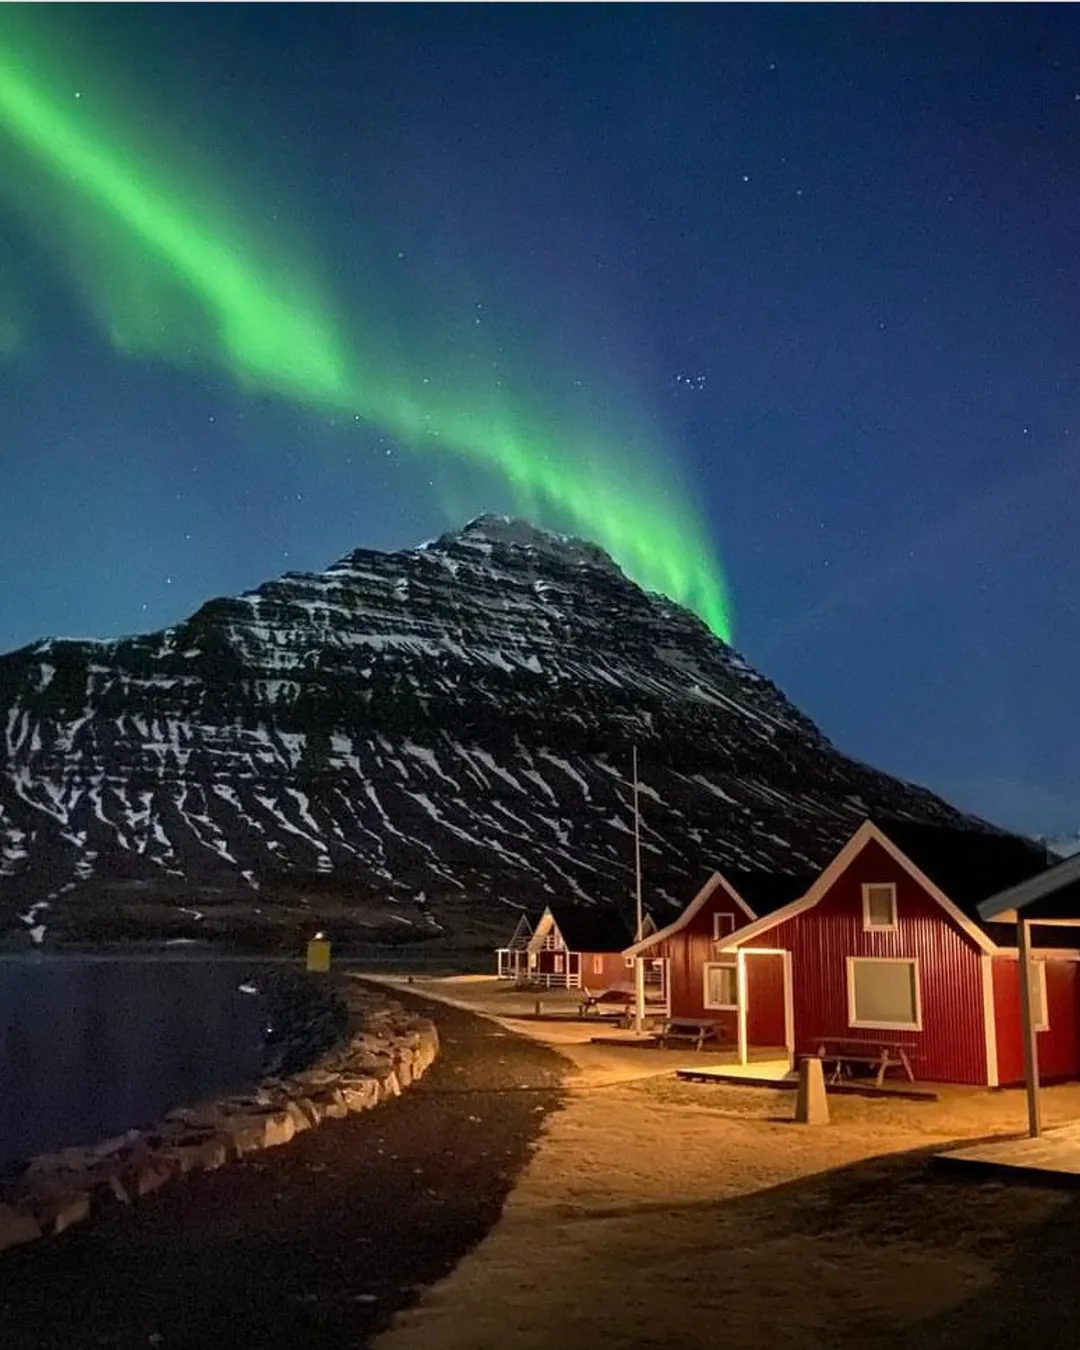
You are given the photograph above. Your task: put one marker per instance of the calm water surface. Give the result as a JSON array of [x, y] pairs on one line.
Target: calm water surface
[[89, 1048]]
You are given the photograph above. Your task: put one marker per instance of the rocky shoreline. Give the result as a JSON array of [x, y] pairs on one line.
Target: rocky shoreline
[[334, 1047]]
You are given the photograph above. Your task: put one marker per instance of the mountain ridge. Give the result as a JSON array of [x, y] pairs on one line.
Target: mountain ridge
[[406, 745]]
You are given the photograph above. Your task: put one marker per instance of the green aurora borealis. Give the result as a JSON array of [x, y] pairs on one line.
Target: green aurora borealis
[[173, 271]]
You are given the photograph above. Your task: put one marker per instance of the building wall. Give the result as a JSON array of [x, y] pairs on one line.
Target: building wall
[[688, 952], [551, 961], [612, 970], [951, 1045], [1059, 1044]]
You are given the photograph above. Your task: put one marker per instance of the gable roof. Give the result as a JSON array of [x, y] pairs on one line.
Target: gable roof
[[1052, 895], [585, 929], [933, 851], [967, 865], [521, 934], [755, 893]]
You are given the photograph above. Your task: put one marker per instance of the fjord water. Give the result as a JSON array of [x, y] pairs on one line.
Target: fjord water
[[90, 1047]]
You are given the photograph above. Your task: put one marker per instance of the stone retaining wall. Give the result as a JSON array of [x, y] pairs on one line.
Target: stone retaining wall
[[384, 1049]]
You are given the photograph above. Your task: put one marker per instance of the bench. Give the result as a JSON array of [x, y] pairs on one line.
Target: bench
[[692, 1030], [845, 1052], [613, 1003]]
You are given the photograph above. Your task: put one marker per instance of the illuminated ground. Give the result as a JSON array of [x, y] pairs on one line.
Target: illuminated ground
[[664, 1214], [644, 1213]]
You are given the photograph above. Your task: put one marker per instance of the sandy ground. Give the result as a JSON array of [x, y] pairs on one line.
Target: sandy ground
[[669, 1214]]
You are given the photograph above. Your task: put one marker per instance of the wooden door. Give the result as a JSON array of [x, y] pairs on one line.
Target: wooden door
[[766, 1019]]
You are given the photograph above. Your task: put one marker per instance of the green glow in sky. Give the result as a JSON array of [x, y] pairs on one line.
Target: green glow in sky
[[172, 273]]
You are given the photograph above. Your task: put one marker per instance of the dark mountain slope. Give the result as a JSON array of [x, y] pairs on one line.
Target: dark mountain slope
[[405, 745]]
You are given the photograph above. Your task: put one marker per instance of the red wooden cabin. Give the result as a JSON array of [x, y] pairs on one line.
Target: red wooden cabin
[[885, 944], [575, 947], [698, 985], [1050, 903]]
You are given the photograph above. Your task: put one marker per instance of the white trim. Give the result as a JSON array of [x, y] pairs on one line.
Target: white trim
[[868, 925], [789, 1009], [1044, 953], [544, 925], [986, 962], [1040, 1012], [866, 832], [691, 909], [719, 965], [740, 964], [722, 914], [853, 1021], [1005, 904]]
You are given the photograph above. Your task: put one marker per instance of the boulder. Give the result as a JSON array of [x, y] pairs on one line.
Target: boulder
[[72, 1209], [278, 1129], [17, 1227]]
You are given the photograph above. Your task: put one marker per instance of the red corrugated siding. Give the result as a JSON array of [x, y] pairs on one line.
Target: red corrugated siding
[[687, 953], [951, 1045], [766, 1023], [612, 970], [1059, 1045]]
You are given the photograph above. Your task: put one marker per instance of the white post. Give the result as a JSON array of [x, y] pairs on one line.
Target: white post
[[1027, 1028], [639, 962]]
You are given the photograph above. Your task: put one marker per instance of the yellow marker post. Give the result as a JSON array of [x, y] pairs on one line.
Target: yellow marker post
[[318, 954]]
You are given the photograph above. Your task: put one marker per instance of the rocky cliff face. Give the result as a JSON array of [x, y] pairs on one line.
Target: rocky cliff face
[[405, 746]]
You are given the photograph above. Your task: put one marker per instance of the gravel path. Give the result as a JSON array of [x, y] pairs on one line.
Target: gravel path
[[314, 1244]]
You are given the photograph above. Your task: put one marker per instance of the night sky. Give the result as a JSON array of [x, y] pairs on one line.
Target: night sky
[[778, 303]]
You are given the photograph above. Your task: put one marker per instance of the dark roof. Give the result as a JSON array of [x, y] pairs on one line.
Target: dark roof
[[968, 865], [766, 892], [1051, 894], [592, 930]]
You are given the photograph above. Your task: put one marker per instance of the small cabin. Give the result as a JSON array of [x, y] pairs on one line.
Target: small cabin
[[886, 946], [578, 947], [511, 960]]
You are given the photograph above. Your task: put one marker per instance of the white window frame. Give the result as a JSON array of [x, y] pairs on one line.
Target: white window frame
[[598, 963], [1040, 1010], [868, 925], [853, 1021], [705, 1000], [728, 914], [628, 962]]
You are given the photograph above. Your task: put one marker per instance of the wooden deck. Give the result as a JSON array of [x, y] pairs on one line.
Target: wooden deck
[[1053, 1159], [775, 1073]]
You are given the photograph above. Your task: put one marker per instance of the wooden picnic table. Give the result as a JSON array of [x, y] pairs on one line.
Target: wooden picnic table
[[844, 1052], [696, 1030]]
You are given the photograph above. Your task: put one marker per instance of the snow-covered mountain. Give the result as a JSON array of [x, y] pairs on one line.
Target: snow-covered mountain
[[1063, 845], [405, 745]]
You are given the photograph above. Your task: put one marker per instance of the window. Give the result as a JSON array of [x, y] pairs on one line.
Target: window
[[598, 963], [879, 907], [722, 926], [628, 962], [559, 964], [721, 986], [883, 994]]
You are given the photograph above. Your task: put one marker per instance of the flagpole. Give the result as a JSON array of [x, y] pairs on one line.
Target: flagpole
[[639, 961]]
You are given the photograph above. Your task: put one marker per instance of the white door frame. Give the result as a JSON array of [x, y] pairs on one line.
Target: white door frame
[[789, 1010]]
